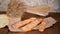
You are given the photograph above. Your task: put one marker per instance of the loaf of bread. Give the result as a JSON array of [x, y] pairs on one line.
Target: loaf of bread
[[47, 22], [43, 25], [31, 25], [15, 9], [22, 23], [40, 10]]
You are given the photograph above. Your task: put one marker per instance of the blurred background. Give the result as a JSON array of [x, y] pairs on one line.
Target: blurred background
[[55, 3]]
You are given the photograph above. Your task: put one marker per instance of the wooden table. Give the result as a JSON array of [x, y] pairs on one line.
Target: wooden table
[[55, 29]]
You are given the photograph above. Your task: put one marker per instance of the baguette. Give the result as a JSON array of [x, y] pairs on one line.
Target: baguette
[[31, 25], [40, 10], [22, 23], [43, 26]]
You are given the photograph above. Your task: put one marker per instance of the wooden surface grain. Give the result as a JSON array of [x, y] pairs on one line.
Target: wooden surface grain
[[55, 29]]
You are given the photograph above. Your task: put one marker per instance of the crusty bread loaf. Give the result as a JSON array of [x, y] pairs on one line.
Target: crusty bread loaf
[[31, 25], [15, 9], [22, 23], [40, 10], [43, 25]]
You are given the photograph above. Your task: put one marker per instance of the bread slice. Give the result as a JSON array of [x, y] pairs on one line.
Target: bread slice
[[3, 20]]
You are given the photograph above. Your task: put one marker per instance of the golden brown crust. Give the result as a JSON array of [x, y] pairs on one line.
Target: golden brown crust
[[22, 23], [43, 26], [31, 25]]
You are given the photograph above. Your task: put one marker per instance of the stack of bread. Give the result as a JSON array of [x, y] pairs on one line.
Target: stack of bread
[[32, 23], [16, 9]]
